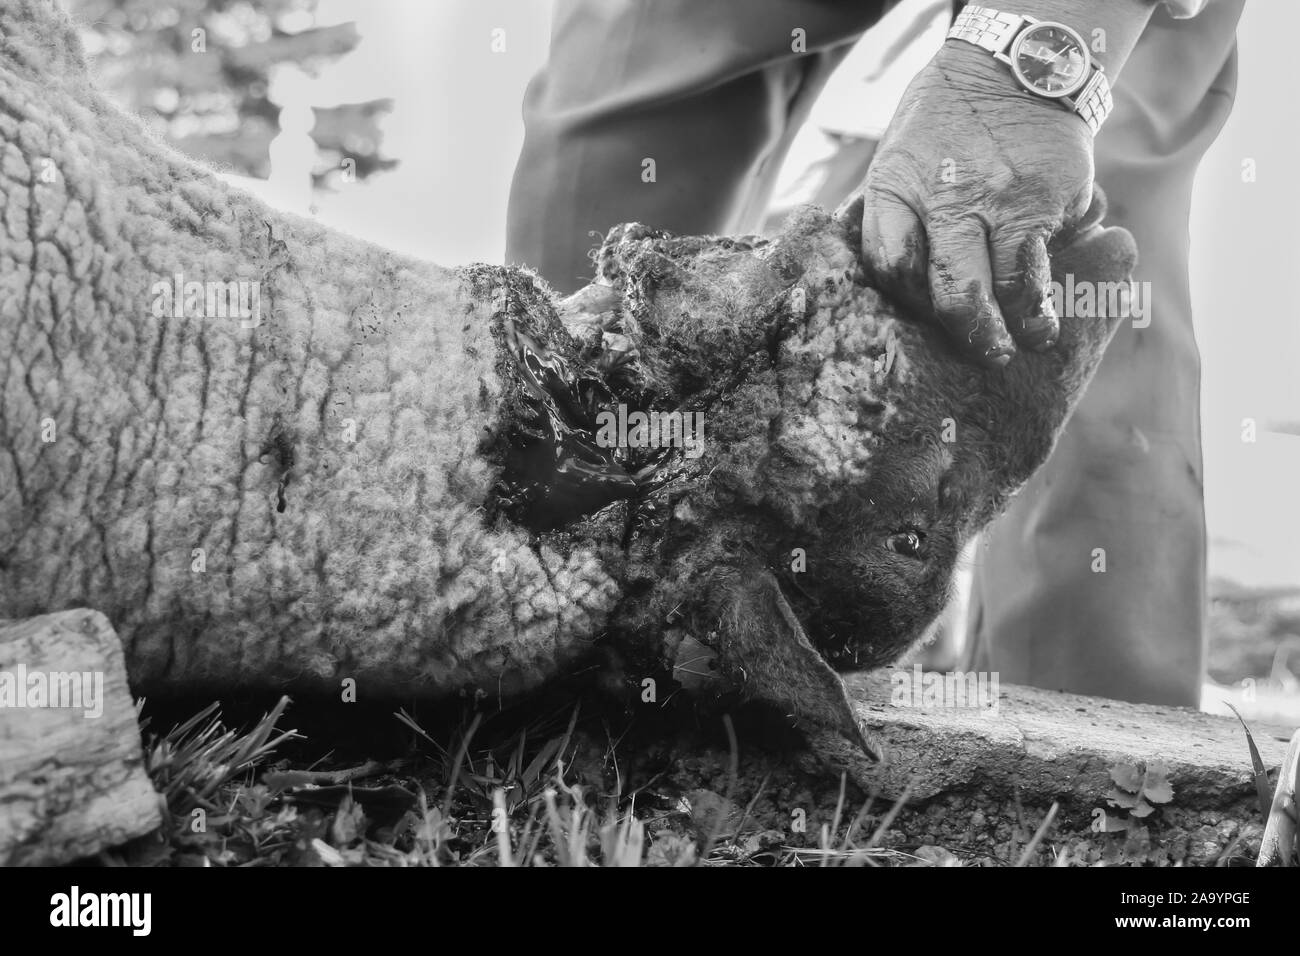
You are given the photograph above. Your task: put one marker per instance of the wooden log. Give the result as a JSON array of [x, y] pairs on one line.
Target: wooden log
[[72, 778]]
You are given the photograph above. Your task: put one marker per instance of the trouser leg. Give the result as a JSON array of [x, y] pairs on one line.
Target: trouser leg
[[1124, 485], [711, 91]]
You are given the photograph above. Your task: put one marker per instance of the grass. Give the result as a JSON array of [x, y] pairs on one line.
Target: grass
[[512, 801], [482, 794]]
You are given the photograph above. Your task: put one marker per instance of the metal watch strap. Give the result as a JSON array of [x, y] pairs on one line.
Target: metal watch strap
[[990, 29], [1093, 103], [993, 30]]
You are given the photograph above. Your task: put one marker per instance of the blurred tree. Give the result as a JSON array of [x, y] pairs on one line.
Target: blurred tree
[[199, 72]]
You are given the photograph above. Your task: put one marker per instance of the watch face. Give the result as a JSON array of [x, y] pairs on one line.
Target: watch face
[[1050, 59]]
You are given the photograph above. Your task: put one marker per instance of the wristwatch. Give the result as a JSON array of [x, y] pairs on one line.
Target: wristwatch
[[1049, 59]]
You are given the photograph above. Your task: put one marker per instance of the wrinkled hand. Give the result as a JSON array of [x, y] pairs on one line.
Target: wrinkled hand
[[973, 180]]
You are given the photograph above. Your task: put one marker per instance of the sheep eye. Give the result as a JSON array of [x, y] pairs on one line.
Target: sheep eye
[[907, 543]]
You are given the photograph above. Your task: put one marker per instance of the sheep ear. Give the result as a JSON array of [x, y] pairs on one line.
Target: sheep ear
[[1099, 254], [1095, 262], [1037, 392], [1099, 262], [1091, 253], [764, 649]]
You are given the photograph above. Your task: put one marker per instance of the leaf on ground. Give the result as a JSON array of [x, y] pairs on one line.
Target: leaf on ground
[[694, 666], [936, 856], [1156, 786], [762, 842], [671, 850], [709, 809], [1120, 798], [349, 823], [1142, 809], [328, 855], [1127, 777]]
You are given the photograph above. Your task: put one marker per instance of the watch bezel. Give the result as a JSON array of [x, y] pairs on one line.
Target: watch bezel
[[1013, 56]]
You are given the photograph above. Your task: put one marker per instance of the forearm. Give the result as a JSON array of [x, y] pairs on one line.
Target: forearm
[[1121, 22]]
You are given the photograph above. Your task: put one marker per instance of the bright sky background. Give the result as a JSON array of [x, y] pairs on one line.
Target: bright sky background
[[456, 130]]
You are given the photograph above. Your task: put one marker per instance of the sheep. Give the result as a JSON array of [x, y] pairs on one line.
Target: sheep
[[279, 457]]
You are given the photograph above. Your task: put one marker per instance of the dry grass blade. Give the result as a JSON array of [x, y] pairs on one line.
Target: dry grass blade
[[1263, 792], [548, 758], [1028, 853], [623, 843], [505, 856], [555, 825], [460, 760], [753, 802], [835, 822], [410, 722], [1280, 844], [733, 770], [847, 842], [890, 817]]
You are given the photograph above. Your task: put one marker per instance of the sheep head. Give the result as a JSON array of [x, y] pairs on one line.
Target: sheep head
[[846, 453]]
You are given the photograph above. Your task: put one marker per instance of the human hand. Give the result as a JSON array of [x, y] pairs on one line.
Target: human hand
[[973, 182]]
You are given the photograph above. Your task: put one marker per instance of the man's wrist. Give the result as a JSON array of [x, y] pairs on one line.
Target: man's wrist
[[981, 72], [1110, 28], [974, 70]]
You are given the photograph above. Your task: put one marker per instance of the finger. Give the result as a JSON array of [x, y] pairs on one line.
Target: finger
[[894, 249], [1084, 213], [1022, 282], [1094, 202], [961, 290]]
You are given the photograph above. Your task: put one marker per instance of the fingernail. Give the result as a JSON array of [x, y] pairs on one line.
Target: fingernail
[[1040, 338], [999, 356]]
